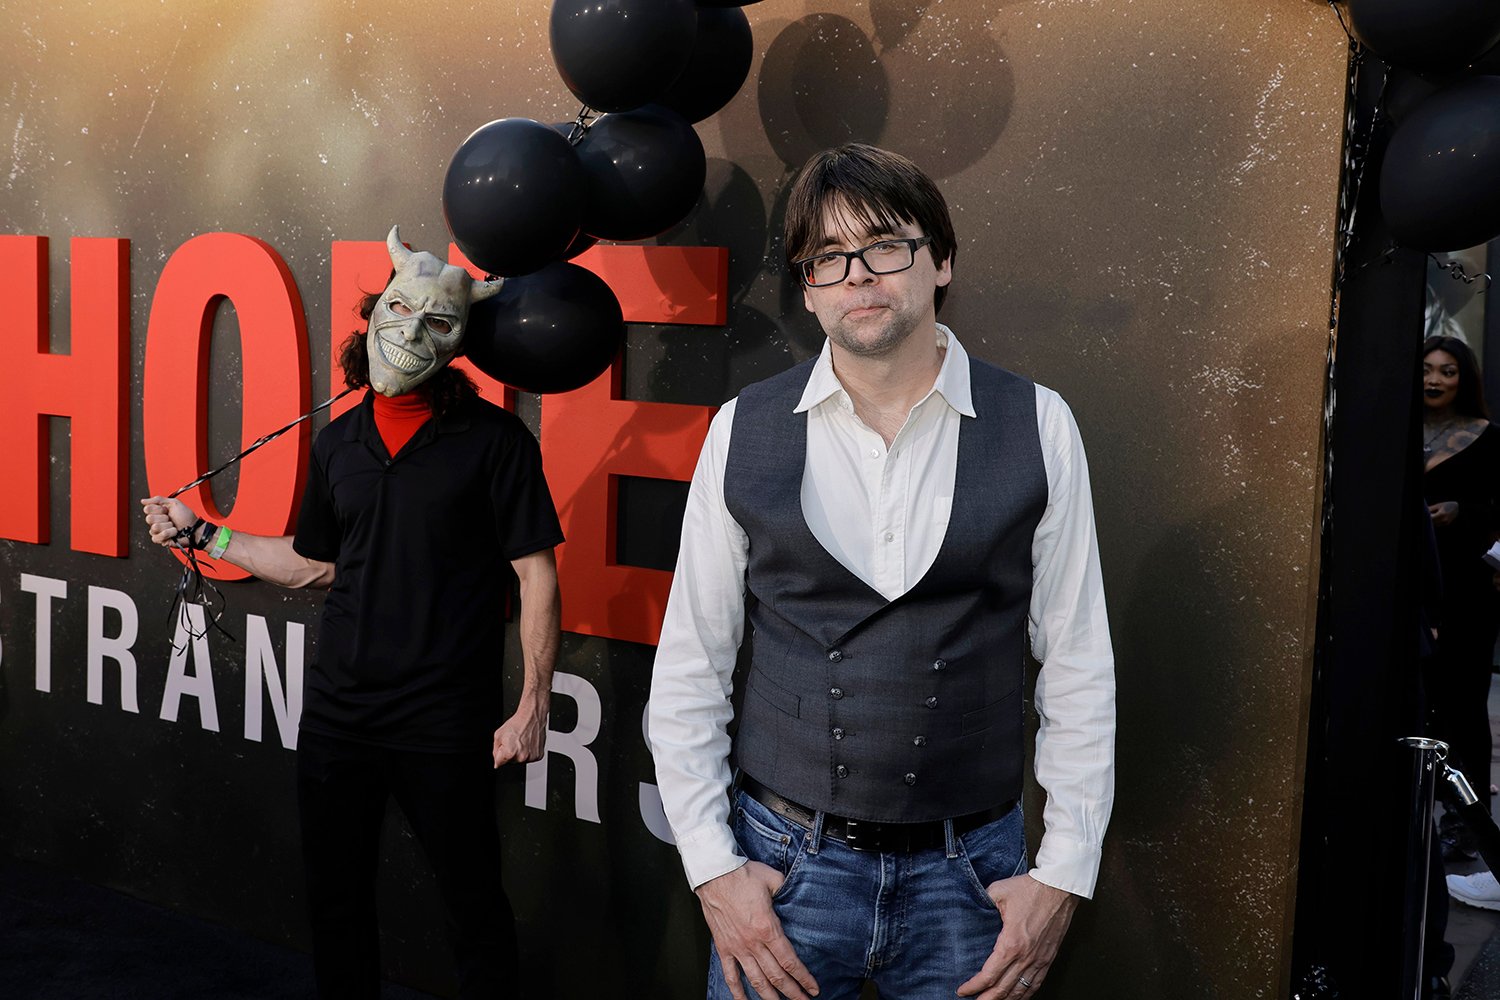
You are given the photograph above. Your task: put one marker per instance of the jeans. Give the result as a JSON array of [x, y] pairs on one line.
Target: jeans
[[449, 801], [918, 924]]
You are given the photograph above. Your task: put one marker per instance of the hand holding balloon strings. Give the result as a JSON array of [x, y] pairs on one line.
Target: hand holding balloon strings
[[193, 588]]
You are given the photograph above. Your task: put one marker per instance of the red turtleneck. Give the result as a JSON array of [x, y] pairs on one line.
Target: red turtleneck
[[399, 417]]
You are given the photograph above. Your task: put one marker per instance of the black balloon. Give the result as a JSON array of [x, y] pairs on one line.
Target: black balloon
[[1404, 93], [1430, 36], [1440, 175], [512, 197], [552, 331], [718, 66], [583, 241], [643, 171], [1488, 63], [616, 55]]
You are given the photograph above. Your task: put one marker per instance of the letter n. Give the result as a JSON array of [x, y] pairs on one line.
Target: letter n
[[285, 694]]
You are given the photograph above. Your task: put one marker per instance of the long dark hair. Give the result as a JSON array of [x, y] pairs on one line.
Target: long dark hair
[[1469, 400], [443, 391]]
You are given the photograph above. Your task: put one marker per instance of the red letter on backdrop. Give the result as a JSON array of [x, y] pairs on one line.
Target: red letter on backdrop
[[87, 386], [277, 383], [592, 436]]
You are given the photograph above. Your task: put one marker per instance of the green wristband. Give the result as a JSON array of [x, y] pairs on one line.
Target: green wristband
[[221, 543]]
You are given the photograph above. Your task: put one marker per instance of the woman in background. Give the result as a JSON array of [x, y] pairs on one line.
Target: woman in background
[[1461, 451]]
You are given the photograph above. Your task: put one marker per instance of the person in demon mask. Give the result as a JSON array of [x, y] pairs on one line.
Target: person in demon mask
[[412, 498]]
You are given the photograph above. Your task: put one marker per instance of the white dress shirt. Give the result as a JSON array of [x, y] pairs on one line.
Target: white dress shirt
[[882, 512]]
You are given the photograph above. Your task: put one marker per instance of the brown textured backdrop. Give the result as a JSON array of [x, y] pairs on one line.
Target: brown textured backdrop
[[1144, 193]]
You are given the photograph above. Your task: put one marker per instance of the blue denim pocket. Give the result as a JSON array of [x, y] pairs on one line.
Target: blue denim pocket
[[770, 839], [993, 852]]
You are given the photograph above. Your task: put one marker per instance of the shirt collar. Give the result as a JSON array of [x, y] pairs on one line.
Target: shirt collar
[[362, 424], [952, 379]]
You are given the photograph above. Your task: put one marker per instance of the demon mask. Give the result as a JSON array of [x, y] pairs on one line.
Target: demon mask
[[418, 323]]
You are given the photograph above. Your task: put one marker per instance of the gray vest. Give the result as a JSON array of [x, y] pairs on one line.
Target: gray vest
[[890, 711]]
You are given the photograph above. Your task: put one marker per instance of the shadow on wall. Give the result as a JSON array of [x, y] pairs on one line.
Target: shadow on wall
[[824, 81], [707, 367]]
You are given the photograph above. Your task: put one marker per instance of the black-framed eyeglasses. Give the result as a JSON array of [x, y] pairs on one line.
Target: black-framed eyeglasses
[[884, 257]]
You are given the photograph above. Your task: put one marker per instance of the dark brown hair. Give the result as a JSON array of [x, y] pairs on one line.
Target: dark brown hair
[[443, 391], [1469, 400], [886, 188]]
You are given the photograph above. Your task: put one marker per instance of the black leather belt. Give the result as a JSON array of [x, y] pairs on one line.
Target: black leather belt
[[863, 835]]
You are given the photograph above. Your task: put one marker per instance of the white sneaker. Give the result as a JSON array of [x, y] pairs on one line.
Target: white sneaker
[[1479, 889]]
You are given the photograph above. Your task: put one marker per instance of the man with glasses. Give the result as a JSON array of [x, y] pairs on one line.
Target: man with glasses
[[894, 519]]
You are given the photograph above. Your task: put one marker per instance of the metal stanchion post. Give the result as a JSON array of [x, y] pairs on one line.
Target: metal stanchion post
[[1427, 756]]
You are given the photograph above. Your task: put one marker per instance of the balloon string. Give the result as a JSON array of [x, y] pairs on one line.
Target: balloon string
[[1381, 257], [1347, 185], [1356, 158], [267, 439], [581, 124], [193, 587], [1456, 271], [1340, 15], [1360, 156]]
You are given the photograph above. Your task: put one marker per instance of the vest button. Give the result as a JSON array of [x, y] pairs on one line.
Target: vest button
[[939, 664], [931, 702], [920, 741], [835, 655], [841, 771], [835, 693], [911, 779], [838, 734]]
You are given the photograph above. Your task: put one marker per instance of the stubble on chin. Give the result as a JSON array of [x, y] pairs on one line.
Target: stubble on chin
[[871, 340]]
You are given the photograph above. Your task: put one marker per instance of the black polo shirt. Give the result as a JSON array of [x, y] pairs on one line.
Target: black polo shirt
[[413, 626]]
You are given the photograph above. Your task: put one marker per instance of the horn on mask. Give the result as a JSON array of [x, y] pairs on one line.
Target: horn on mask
[[485, 289], [399, 254]]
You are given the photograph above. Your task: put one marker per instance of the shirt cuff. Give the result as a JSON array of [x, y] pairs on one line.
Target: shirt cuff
[[708, 852], [1069, 866]]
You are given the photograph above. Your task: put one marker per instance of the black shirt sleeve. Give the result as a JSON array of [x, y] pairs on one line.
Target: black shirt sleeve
[[525, 517], [318, 533]]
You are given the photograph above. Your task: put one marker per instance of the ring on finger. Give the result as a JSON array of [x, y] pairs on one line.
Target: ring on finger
[[1025, 983]]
